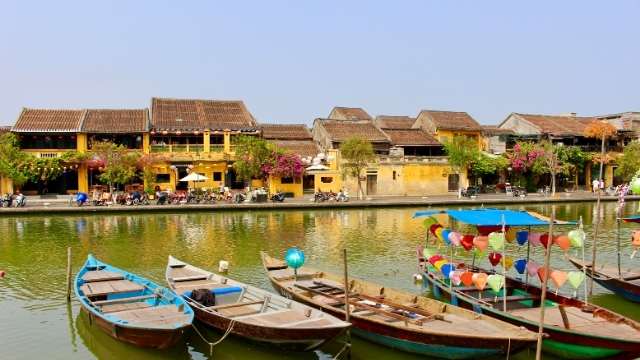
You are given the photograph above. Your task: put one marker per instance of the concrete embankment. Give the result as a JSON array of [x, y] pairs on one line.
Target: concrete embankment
[[53, 208]]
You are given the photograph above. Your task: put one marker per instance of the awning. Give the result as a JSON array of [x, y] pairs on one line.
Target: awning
[[194, 176], [494, 217]]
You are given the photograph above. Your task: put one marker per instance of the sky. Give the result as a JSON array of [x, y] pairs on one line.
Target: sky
[[292, 61]]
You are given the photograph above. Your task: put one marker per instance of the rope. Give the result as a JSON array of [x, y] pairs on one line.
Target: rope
[[509, 348], [232, 323], [346, 346]]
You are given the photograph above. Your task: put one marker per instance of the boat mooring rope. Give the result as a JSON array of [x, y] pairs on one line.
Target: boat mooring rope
[[232, 323], [509, 348]]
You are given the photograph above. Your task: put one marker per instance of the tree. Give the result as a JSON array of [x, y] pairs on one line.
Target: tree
[[462, 151], [252, 153], [14, 164], [600, 130], [120, 164], [549, 161], [285, 164], [357, 153], [486, 164], [629, 162]]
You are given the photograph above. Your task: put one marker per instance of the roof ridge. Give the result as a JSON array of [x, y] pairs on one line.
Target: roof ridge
[[190, 99]]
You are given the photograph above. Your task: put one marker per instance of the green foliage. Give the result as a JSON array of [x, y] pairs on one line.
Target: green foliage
[[21, 167], [629, 162], [573, 157], [251, 154], [462, 151], [120, 164], [486, 164], [357, 153]]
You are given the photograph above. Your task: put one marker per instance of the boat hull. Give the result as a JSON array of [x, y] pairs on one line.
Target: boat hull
[[148, 338], [298, 339], [558, 341], [443, 346], [626, 289]]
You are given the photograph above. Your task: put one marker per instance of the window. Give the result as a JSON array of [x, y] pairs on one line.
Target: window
[[454, 180], [163, 178], [286, 180], [326, 179], [217, 176], [394, 174]]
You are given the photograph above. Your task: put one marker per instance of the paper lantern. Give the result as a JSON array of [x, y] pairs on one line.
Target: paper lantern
[[507, 262], [446, 269], [534, 239], [435, 258], [480, 280], [494, 258], [541, 273], [439, 264], [455, 238], [479, 253], [558, 278], [520, 265], [428, 252], [444, 236], [294, 258], [428, 222], [563, 242], [456, 277], [467, 278], [467, 242], [495, 281], [496, 240], [544, 240], [510, 235], [521, 237], [481, 242], [575, 278], [439, 233], [577, 238], [532, 267]]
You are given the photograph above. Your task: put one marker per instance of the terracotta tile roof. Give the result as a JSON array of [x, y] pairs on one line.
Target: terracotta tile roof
[[452, 120], [49, 120], [494, 130], [340, 130], [349, 113], [394, 122], [411, 137], [558, 125], [304, 148], [193, 114], [116, 121], [285, 131]]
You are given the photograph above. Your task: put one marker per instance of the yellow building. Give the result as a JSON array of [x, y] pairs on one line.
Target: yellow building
[[445, 125]]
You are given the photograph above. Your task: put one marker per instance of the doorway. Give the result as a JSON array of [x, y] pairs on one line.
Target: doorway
[[453, 183], [372, 184]]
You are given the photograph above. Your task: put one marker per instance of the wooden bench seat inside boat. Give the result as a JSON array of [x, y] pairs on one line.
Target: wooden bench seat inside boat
[[511, 298], [107, 309], [553, 317], [285, 274], [109, 287], [101, 275], [156, 315]]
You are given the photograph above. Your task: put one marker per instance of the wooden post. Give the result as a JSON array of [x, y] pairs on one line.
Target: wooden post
[[68, 273], [347, 309], [547, 257]]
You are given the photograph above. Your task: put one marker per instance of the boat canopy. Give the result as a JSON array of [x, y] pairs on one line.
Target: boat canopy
[[494, 217]]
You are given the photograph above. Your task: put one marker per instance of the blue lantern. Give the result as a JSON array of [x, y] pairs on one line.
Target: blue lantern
[[446, 269], [520, 265], [522, 237], [294, 258], [445, 236]]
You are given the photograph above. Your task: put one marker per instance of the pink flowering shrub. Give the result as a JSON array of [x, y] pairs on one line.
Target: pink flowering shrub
[[283, 165]]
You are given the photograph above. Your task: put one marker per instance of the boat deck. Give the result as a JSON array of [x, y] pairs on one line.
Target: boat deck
[[580, 321], [153, 315], [110, 287]]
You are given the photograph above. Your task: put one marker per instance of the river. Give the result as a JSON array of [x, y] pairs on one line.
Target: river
[[36, 321]]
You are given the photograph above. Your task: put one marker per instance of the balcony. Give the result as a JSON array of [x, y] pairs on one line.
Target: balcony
[[191, 152], [46, 153], [409, 159]]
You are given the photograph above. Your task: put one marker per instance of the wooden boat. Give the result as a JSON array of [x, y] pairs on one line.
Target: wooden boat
[[130, 308], [627, 285], [253, 313], [400, 320], [574, 330]]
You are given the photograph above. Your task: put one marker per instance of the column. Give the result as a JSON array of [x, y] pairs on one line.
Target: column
[[207, 141]]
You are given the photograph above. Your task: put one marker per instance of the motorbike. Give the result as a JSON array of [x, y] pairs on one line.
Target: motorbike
[[342, 196], [20, 200], [277, 197], [470, 191], [239, 198], [81, 199], [519, 191], [7, 200]]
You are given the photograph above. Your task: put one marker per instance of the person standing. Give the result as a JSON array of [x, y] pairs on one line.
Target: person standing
[[595, 184]]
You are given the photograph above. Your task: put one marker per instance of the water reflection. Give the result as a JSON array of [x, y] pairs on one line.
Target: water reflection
[[381, 245]]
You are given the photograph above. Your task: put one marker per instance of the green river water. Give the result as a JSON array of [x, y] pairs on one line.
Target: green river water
[[36, 321]]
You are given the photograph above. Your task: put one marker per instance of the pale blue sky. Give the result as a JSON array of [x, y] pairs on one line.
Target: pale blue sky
[[292, 61]]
